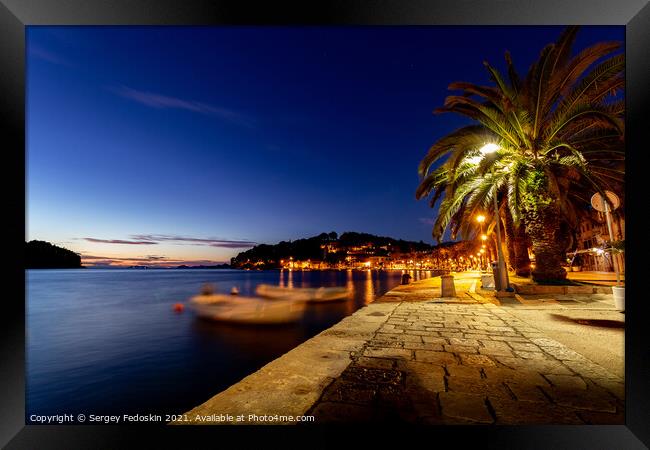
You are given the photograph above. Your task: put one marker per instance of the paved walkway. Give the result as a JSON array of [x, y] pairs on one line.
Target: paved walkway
[[593, 277], [415, 357]]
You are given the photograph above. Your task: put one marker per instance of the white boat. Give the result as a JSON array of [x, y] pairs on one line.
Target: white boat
[[250, 310], [209, 299], [312, 295]]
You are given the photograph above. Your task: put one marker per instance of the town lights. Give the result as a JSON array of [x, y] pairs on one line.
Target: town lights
[[484, 237]]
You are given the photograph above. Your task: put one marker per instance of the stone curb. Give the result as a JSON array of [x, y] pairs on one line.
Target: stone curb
[[537, 289]]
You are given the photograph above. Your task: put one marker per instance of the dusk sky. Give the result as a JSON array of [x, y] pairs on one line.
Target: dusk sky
[[178, 144]]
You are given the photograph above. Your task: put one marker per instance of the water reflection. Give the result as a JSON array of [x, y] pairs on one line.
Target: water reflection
[[350, 285], [241, 340], [108, 341], [370, 289]]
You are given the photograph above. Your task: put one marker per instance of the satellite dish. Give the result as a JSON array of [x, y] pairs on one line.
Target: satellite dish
[[598, 202]]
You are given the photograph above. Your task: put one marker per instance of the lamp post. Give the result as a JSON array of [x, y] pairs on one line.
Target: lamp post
[[488, 149], [480, 219]]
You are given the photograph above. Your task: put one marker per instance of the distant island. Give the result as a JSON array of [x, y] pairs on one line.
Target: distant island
[[43, 255], [218, 266], [331, 251]]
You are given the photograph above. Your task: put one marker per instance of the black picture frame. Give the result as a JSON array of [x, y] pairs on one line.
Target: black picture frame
[[15, 15]]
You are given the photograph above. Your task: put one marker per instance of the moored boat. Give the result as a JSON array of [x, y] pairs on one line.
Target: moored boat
[[315, 295], [208, 299], [251, 310]]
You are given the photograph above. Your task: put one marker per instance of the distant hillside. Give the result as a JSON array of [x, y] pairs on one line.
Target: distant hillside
[[43, 255], [328, 247]]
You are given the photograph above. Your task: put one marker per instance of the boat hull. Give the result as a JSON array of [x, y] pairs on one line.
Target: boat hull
[[310, 295], [210, 299], [252, 311]]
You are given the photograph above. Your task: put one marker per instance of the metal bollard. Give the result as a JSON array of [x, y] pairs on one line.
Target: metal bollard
[[447, 286]]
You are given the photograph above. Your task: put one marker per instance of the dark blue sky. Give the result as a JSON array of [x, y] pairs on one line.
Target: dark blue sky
[[186, 139]]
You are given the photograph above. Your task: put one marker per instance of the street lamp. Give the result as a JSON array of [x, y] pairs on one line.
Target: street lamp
[[480, 219], [489, 149]]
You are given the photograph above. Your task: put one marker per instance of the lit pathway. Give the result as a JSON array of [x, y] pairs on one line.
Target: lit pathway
[[413, 357]]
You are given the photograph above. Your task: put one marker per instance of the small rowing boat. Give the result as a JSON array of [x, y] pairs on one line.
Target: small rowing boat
[[312, 295], [250, 310], [209, 299]]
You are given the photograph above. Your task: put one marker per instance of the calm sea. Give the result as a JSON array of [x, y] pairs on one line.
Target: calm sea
[[109, 341]]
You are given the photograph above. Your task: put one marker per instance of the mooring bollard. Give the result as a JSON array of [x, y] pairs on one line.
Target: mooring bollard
[[406, 278], [447, 286]]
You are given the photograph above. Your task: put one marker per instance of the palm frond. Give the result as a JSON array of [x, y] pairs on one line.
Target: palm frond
[[595, 113], [598, 82], [563, 80], [463, 139], [515, 80]]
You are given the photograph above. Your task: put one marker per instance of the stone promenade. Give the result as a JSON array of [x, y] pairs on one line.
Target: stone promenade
[[415, 357]]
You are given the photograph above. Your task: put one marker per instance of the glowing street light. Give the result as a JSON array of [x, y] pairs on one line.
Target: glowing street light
[[489, 148], [480, 218]]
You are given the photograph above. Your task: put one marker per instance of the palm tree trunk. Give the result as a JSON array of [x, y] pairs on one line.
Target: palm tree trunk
[[543, 228], [517, 245], [542, 218], [520, 244]]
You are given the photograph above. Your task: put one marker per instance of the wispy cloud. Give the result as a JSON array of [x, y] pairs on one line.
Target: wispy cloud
[[120, 241], [212, 242], [427, 221], [155, 258], [151, 261], [153, 239], [143, 258], [160, 101], [47, 55]]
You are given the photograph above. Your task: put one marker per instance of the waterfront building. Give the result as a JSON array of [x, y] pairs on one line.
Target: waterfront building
[[593, 235]]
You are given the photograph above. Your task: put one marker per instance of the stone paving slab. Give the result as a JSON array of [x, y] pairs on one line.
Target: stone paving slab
[[418, 361], [481, 375]]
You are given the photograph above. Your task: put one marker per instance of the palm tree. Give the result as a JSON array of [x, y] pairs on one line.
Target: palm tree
[[462, 223], [559, 135]]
